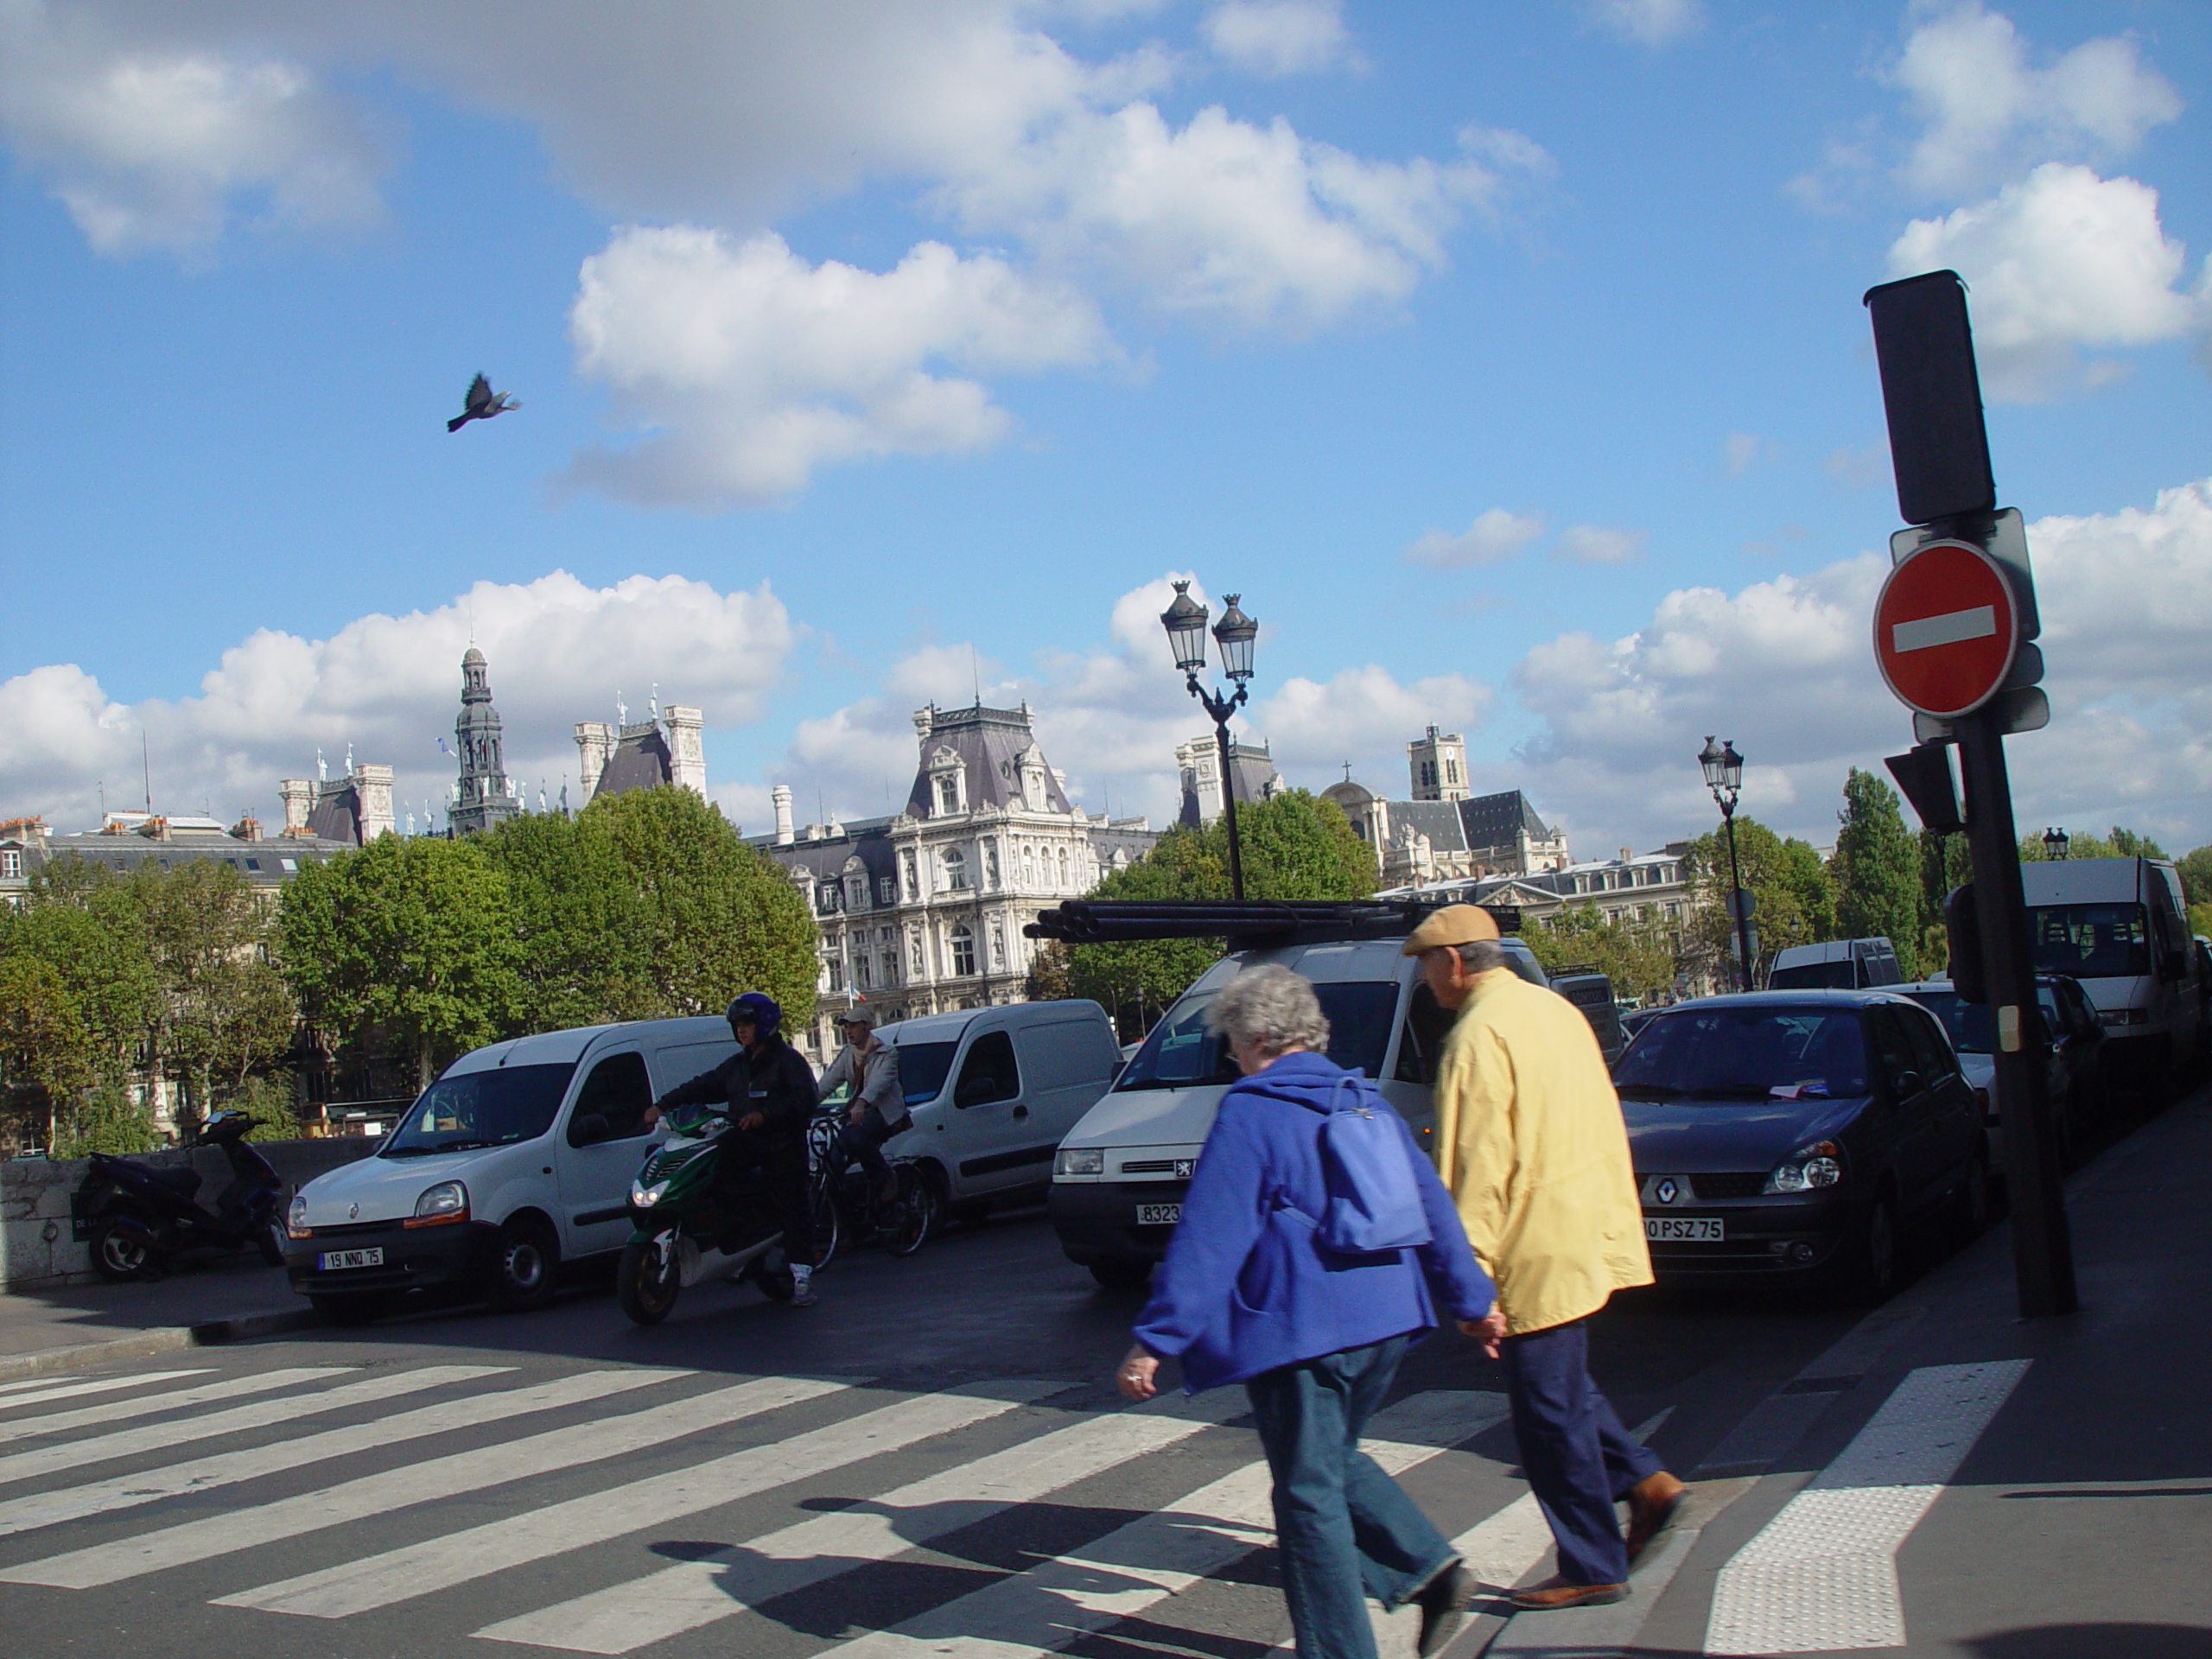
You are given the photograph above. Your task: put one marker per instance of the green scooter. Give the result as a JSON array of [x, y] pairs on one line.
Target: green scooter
[[681, 1232]]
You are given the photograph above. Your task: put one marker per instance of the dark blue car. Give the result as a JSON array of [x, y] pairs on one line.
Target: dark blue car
[[1796, 1135]]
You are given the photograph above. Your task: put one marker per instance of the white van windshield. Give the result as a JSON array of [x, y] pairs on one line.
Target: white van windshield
[[495, 1108], [2090, 941], [1181, 1052]]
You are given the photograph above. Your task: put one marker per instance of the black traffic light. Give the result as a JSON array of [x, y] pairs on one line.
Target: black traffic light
[[1963, 927], [1931, 392]]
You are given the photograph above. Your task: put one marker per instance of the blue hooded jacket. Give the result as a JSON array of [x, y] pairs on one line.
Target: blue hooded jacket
[[1247, 1288]]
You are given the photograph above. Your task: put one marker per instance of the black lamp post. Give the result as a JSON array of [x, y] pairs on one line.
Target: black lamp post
[[1723, 776], [2055, 843], [1186, 622]]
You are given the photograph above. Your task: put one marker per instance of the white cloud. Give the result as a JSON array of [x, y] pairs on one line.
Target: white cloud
[[1647, 22], [1860, 468], [1495, 534], [1361, 715], [1598, 545], [2063, 260], [1989, 112], [1737, 451], [1278, 37], [748, 367], [389, 686]]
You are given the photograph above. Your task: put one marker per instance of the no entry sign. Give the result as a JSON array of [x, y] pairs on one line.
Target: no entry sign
[[1946, 629]]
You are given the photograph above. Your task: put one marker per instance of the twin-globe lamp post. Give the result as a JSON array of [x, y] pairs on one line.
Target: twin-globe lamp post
[[2055, 843], [1186, 622], [1723, 776]]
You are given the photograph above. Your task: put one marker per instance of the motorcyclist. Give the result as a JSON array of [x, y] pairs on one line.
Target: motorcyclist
[[875, 1109], [770, 1093]]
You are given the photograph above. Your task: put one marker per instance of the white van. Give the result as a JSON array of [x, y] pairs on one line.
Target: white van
[[2119, 926], [1119, 1180], [518, 1158], [992, 1091], [1836, 965]]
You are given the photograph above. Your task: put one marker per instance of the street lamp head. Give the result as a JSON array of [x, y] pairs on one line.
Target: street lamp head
[[2055, 842], [1235, 633], [1731, 767], [1186, 622], [1709, 758]]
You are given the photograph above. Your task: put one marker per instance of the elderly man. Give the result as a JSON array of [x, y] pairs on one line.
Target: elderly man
[[1530, 1141], [875, 1109]]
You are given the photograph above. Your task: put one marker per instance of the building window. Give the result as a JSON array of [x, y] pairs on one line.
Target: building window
[[825, 898], [862, 979], [837, 975], [956, 870], [856, 893], [1450, 771], [963, 950], [1064, 869], [11, 865], [948, 794], [891, 967]]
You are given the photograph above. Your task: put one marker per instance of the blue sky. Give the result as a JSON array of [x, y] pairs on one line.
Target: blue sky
[[1508, 361]]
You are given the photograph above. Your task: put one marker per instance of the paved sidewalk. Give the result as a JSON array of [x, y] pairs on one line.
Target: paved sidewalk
[[219, 1301]]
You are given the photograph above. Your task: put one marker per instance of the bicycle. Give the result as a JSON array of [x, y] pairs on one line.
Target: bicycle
[[846, 1201]]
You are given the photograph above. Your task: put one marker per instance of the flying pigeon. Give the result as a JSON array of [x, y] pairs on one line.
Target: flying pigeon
[[481, 404]]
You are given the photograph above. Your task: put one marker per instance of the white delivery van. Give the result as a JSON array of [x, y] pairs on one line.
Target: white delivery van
[[518, 1158], [992, 1091], [2119, 927], [1836, 965], [1119, 1180]]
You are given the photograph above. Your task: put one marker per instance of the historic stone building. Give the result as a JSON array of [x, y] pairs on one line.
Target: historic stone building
[[483, 797], [1443, 833], [354, 810], [1198, 764], [642, 754], [923, 910]]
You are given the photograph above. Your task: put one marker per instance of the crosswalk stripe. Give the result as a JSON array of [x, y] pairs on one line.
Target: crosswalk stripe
[[1134, 1566], [9, 1399], [1821, 1576], [158, 1436], [116, 1411], [113, 1562], [456, 1558], [717, 1587]]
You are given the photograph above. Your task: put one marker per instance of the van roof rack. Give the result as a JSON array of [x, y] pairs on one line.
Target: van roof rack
[[1244, 922]]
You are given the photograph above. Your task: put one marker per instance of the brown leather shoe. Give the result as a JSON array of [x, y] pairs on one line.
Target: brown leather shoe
[[1558, 1593], [1655, 1503]]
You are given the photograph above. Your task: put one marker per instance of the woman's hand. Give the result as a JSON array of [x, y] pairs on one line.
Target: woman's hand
[[1490, 1330], [1134, 1376]]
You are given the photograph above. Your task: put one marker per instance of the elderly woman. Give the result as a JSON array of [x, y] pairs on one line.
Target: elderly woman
[[1250, 1293]]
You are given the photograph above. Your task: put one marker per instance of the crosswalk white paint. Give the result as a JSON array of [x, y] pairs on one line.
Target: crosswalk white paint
[[116, 1411], [684, 1597], [374, 1434], [1821, 1576], [457, 1557], [160, 1437], [455, 1475], [13, 1395]]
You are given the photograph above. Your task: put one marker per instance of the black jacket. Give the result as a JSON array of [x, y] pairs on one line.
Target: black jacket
[[774, 1080]]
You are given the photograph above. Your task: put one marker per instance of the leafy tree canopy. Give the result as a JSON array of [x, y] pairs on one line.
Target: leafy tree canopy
[[2122, 843], [1639, 963], [1792, 902], [1876, 870]]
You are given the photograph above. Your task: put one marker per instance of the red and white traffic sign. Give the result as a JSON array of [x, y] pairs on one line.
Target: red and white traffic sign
[[1946, 629]]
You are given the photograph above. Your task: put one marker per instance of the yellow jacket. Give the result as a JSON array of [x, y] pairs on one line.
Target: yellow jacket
[[1531, 1144]]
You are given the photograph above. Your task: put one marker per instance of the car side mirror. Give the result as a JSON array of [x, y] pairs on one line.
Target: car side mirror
[[1907, 1085], [589, 1130], [973, 1091]]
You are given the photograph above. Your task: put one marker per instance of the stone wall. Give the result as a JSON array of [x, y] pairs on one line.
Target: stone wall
[[37, 1251]]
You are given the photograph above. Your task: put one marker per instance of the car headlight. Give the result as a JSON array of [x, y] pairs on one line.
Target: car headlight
[[446, 1202], [1809, 1168], [1080, 1161], [643, 1197], [296, 1222]]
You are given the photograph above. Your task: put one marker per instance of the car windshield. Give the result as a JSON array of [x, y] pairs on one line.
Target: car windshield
[[922, 1068], [1968, 1022], [1745, 1054], [2090, 941], [492, 1108], [1181, 1052]]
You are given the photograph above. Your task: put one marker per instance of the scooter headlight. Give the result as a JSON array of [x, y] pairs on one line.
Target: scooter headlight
[[643, 1197], [295, 1223], [446, 1202]]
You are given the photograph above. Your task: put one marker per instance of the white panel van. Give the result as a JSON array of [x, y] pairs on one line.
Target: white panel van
[[2119, 926], [1836, 965]]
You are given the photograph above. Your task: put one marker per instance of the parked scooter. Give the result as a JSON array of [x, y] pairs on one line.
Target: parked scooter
[[683, 1233], [143, 1218]]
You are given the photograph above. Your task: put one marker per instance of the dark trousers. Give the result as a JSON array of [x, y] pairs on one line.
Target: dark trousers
[[1344, 1530], [774, 1177], [1578, 1457], [862, 1143]]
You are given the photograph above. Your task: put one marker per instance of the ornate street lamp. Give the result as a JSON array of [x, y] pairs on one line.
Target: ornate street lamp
[[1186, 622], [1723, 776], [2055, 843]]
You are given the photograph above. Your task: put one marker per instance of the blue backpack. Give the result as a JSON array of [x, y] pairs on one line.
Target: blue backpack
[[1374, 1199]]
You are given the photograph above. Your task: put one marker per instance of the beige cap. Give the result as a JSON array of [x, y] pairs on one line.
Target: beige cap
[[1453, 925], [856, 1017]]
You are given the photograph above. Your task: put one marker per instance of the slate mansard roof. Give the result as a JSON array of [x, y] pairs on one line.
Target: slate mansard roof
[[640, 760], [1472, 825], [990, 743]]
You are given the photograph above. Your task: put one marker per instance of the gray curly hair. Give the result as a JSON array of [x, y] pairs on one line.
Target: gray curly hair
[[1270, 1008]]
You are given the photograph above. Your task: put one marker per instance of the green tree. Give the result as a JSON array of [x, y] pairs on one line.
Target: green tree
[[1791, 900], [413, 935], [1635, 956], [107, 1120], [1877, 870], [2122, 843], [1944, 865], [83, 921], [48, 1057], [579, 919], [224, 1011], [2195, 872]]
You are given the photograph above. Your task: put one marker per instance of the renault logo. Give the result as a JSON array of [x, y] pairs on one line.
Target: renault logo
[[354, 1214], [1666, 1192]]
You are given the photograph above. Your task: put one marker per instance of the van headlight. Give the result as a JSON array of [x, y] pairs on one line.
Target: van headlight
[[1809, 1168], [643, 1197], [446, 1202], [296, 1221], [1079, 1161]]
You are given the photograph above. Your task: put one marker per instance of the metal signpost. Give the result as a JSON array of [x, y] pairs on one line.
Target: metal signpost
[[1953, 633]]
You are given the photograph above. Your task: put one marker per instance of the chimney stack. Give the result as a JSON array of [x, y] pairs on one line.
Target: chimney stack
[[782, 797]]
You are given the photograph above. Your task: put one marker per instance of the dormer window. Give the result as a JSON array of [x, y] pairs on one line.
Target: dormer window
[[947, 784], [956, 870]]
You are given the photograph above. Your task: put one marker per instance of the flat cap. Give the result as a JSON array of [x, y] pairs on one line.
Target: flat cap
[[1453, 925]]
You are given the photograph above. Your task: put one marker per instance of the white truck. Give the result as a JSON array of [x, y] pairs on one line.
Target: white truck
[[2119, 926]]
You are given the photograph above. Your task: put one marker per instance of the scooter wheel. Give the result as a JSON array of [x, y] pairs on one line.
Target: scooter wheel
[[117, 1256], [271, 1243], [647, 1287]]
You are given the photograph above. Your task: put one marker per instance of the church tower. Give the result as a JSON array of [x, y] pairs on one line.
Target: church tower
[[482, 797]]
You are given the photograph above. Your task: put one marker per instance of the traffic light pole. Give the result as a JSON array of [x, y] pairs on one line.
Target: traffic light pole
[[2043, 1250]]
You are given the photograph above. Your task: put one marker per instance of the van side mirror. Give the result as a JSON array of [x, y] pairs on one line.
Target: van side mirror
[[976, 1090], [589, 1130]]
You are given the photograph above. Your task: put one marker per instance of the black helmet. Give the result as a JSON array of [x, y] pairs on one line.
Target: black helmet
[[758, 1006]]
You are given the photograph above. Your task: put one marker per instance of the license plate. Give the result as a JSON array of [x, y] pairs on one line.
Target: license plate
[[373, 1257], [1688, 1229], [1159, 1215]]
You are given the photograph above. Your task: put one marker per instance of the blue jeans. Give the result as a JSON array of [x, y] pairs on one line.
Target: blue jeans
[[862, 1143], [1344, 1530], [1578, 1457]]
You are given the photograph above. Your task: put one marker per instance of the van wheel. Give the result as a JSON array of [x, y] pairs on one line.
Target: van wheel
[[526, 1266], [1119, 1272]]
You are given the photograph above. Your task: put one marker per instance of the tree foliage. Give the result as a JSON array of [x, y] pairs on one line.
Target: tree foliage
[[1876, 870], [1635, 956], [2122, 843], [223, 1011], [1791, 900]]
